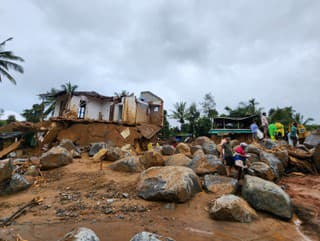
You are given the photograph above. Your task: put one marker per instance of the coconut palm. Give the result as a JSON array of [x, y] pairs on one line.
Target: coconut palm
[[7, 62], [69, 88], [122, 93], [180, 112]]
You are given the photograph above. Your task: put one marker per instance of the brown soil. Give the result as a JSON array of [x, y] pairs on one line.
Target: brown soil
[[106, 201]]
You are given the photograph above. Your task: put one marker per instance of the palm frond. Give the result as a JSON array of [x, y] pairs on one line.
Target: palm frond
[[10, 65], [7, 75], [10, 56], [4, 42]]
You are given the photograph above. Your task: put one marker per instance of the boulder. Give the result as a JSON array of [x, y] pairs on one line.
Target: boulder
[[316, 157], [275, 164], [183, 148], [232, 208], [199, 153], [205, 164], [32, 171], [195, 148], [253, 149], [178, 160], [234, 143], [267, 196], [95, 147], [6, 169], [168, 150], [128, 164], [151, 159], [220, 184], [169, 183], [201, 140], [261, 169], [55, 157], [146, 236], [67, 144], [210, 148], [17, 183], [115, 153], [283, 156], [253, 158], [81, 234], [313, 139], [76, 153], [100, 155], [269, 144]]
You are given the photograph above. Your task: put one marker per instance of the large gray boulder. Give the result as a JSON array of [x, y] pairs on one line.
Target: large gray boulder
[[253, 149], [55, 157], [210, 148], [68, 144], [220, 184], [6, 169], [261, 169], [205, 164], [114, 154], [183, 148], [17, 183], [169, 183], [127, 164], [283, 156], [178, 160], [146, 236], [195, 148], [267, 196], [269, 144], [312, 140], [275, 164], [232, 208], [81, 234], [168, 150], [95, 147]]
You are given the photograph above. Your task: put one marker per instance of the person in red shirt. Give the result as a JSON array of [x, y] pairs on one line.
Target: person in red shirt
[[240, 158]]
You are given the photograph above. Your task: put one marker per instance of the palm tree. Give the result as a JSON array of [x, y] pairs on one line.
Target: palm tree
[[180, 112], [300, 119], [69, 88], [122, 93], [7, 63]]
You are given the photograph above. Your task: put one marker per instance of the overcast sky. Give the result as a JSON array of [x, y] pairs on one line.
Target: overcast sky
[[180, 50]]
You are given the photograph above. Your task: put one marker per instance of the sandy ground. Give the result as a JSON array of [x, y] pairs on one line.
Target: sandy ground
[[106, 201]]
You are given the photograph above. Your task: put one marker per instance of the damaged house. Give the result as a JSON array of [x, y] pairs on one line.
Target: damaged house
[[86, 117]]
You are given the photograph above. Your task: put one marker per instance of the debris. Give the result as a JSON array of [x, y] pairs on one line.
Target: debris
[[10, 148]]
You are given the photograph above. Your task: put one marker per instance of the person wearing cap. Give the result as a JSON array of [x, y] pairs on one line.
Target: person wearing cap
[[227, 155], [240, 158]]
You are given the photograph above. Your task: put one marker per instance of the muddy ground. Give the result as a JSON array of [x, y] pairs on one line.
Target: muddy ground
[[81, 194]]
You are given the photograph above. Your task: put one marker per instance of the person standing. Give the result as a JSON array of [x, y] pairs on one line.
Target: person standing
[[264, 124], [240, 158], [254, 129], [227, 155], [272, 131], [293, 134]]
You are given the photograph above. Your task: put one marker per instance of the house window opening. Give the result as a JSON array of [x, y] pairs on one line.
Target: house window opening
[[82, 109], [120, 112], [156, 109]]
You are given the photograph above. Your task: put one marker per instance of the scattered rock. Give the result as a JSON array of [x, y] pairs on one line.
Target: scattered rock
[[207, 164], [195, 148], [115, 153], [76, 153], [316, 157], [146, 236], [275, 164], [178, 160], [267, 196], [95, 147], [210, 148], [127, 164], [261, 169], [220, 184], [253, 158], [201, 140], [152, 158], [232, 208], [81, 234], [6, 169], [55, 157], [17, 183], [253, 149], [183, 148], [169, 183], [168, 150], [283, 156]]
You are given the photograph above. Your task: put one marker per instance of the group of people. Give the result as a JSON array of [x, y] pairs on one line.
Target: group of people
[[274, 130], [236, 158]]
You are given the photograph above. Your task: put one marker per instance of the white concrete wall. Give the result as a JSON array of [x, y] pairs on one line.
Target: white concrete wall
[[94, 106], [105, 110]]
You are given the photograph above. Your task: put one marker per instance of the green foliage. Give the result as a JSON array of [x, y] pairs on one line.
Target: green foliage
[[68, 88], [11, 118], [122, 93], [300, 119], [8, 62], [244, 109], [282, 115], [3, 122], [192, 116], [203, 126], [35, 114], [165, 131], [209, 106], [180, 112]]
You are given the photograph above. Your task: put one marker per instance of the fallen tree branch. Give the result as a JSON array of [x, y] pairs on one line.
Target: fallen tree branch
[[7, 221]]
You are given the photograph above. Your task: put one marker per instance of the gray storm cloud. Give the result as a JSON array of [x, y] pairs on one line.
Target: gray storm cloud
[[181, 50]]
